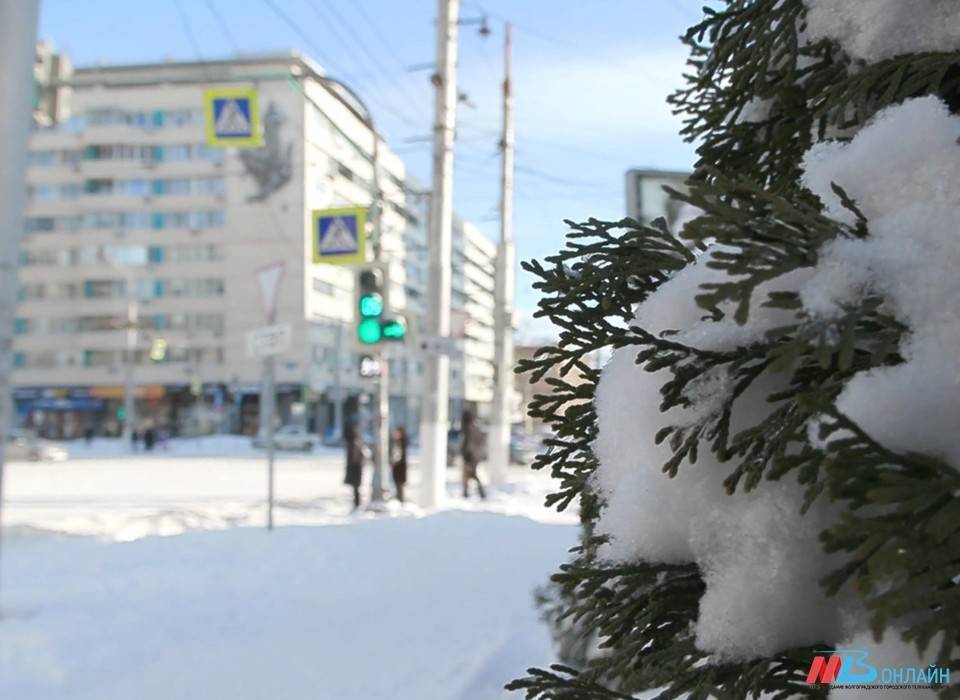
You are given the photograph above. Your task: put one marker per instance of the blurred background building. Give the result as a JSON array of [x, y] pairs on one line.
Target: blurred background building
[[647, 200], [128, 206]]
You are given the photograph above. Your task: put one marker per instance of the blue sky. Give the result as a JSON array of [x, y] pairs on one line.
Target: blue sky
[[589, 82]]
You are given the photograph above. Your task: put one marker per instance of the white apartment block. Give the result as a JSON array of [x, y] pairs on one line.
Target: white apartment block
[[126, 200]]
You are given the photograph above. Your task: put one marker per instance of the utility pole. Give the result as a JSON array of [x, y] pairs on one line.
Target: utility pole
[[381, 420], [129, 357], [436, 385], [499, 447], [338, 386], [18, 34]]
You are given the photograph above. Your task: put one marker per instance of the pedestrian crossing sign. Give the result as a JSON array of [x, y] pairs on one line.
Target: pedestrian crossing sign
[[232, 117], [340, 235]]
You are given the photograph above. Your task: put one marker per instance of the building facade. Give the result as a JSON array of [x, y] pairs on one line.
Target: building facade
[[131, 215]]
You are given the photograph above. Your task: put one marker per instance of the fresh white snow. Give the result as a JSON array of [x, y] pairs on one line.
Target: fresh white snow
[[761, 559], [873, 30], [403, 605]]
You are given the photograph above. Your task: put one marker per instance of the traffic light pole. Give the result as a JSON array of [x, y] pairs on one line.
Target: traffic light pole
[[381, 421]]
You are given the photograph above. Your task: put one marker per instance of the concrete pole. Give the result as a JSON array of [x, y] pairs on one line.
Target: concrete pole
[[381, 419], [499, 441], [436, 384], [18, 34], [338, 386], [129, 387], [268, 392]]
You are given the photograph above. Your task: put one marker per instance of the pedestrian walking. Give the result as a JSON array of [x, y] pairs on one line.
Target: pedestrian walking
[[149, 438], [398, 460], [354, 473], [135, 440], [471, 449]]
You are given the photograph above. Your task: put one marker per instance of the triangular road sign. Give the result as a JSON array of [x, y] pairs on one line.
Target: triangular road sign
[[232, 121], [268, 280], [339, 239]]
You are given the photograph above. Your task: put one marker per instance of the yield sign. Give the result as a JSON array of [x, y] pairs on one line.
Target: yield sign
[[268, 280]]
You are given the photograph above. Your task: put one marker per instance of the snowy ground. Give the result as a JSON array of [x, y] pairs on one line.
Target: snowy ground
[[330, 605]]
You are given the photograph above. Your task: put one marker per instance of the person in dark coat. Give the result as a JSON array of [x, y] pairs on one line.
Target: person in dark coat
[[398, 459], [354, 444], [149, 439], [472, 451]]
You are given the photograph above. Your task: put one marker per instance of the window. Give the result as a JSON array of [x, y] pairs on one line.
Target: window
[[21, 326], [98, 186], [133, 188], [103, 289], [40, 224]]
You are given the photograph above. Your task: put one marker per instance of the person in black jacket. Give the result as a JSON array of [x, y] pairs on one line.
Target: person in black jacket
[[353, 477], [472, 451], [398, 459]]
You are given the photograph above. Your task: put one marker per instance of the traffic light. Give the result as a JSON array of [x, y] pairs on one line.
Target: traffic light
[[374, 323], [370, 305], [394, 329]]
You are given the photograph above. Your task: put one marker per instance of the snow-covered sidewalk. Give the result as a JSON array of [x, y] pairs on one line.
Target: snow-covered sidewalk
[[408, 605]]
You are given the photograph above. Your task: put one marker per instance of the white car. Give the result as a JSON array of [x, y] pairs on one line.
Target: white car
[[25, 446], [289, 437]]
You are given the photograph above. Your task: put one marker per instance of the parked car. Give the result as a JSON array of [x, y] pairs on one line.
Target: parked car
[[25, 446], [289, 437]]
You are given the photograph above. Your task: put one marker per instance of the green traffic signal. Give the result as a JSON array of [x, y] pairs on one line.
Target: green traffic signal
[[371, 305], [394, 330], [369, 331]]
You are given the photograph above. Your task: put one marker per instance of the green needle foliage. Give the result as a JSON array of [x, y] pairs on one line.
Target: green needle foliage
[[629, 628]]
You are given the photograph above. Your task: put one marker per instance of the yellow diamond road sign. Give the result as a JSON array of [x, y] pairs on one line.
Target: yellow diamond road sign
[[232, 117], [339, 235]]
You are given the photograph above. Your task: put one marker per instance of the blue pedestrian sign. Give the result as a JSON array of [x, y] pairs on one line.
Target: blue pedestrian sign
[[339, 235], [232, 116]]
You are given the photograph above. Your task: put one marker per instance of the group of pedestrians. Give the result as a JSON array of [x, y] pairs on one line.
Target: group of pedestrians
[[150, 437], [356, 456], [471, 450]]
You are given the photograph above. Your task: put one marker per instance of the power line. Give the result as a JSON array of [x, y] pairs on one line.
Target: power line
[[296, 28], [223, 25], [188, 30], [361, 44], [579, 48]]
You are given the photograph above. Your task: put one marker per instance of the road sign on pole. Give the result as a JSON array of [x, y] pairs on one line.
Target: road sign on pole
[[268, 282], [232, 117], [267, 341], [340, 235]]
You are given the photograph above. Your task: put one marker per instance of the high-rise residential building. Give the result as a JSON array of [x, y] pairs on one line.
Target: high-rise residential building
[[129, 208]]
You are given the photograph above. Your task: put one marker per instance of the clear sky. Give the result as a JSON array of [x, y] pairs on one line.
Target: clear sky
[[590, 78]]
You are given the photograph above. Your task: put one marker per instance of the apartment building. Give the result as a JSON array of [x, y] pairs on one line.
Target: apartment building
[[132, 214]]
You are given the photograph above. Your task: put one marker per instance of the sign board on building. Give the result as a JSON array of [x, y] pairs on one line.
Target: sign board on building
[[268, 340], [339, 235], [232, 117]]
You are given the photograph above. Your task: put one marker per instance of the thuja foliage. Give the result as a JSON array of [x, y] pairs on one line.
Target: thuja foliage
[[900, 529]]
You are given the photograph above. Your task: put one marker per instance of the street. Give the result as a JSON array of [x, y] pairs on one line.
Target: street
[[211, 483]]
